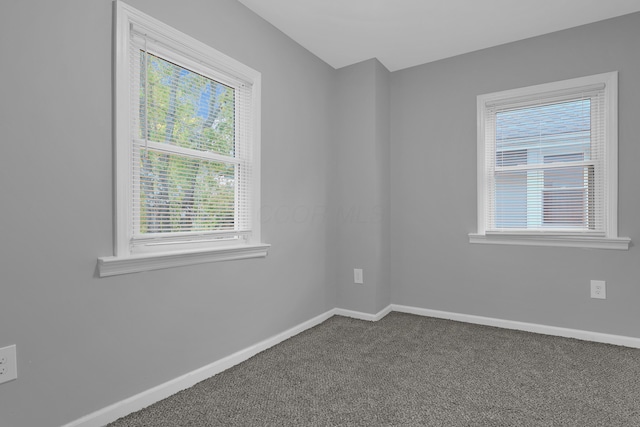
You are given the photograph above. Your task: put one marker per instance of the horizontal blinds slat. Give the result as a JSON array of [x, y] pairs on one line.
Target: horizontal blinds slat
[[541, 166], [159, 239]]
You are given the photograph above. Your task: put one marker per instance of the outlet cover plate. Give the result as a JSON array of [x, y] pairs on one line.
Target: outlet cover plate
[[599, 289], [8, 364], [357, 276]]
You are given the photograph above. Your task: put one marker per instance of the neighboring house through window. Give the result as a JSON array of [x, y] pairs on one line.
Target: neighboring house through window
[[547, 165]]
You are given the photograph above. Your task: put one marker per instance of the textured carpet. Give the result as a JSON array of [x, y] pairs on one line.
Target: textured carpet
[[407, 370]]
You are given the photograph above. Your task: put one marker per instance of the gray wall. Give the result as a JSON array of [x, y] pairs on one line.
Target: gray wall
[[360, 184], [328, 181], [433, 188], [85, 343]]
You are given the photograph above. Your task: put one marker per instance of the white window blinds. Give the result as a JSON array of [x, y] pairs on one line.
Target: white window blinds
[[191, 148], [545, 162]]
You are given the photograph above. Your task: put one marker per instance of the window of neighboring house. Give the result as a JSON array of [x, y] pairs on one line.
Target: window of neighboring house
[[566, 190], [187, 141], [547, 165]]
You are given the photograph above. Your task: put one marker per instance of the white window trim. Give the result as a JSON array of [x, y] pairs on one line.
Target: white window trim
[[610, 240], [123, 260], [111, 266]]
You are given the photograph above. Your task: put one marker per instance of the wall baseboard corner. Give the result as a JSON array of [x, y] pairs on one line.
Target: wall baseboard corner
[[363, 316]]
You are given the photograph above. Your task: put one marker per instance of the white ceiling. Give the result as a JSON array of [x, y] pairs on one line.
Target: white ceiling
[[404, 33]]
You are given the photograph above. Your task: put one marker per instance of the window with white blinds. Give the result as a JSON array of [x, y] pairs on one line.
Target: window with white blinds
[[187, 140], [547, 164], [191, 148]]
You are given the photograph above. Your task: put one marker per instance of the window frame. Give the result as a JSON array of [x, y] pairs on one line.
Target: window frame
[[608, 239], [128, 258]]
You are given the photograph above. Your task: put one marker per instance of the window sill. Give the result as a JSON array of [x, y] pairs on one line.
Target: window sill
[[111, 266], [617, 243]]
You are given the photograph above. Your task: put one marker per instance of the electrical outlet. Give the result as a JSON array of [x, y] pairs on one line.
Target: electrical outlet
[[357, 276], [8, 364], [599, 289]]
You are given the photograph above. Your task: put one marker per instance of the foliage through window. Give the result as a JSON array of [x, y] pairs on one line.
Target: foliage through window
[[183, 190]]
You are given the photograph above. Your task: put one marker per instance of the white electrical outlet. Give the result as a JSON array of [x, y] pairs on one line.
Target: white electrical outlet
[[8, 364], [357, 276], [599, 289]]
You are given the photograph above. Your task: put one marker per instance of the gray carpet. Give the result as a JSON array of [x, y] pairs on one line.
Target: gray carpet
[[407, 370]]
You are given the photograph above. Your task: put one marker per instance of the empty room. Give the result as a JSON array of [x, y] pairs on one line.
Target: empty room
[[319, 213]]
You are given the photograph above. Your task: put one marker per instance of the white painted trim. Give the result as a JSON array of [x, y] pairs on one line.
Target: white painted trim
[[611, 153], [522, 326], [619, 243], [363, 316], [112, 265], [162, 391], [611, 240], [121, 129], [481, 175], [207, 61]]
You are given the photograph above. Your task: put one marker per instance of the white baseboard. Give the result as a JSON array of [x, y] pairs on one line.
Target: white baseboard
[[155, 394], [162, 391], [363, 316], [523, 326]]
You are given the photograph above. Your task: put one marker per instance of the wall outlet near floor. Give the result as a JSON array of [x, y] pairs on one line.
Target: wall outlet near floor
[[599, 289], [357, 276], [8, 364]]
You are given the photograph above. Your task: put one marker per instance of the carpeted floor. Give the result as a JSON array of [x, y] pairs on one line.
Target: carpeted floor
[[407, 370]]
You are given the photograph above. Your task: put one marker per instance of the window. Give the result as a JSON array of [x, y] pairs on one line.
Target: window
[[547, 165], [187, 148]]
